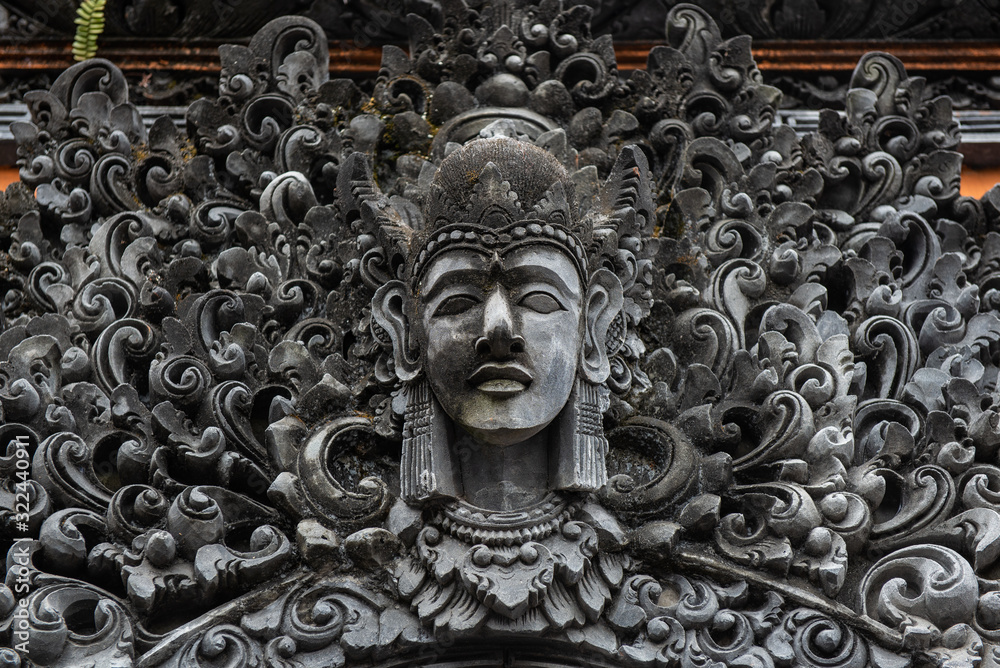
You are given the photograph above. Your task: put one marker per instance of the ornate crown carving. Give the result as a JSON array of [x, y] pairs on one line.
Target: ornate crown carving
[[473, 203]]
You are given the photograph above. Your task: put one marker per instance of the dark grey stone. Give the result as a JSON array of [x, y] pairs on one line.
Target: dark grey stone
[[508, 357]]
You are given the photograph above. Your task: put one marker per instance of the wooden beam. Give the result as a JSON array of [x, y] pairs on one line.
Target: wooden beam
[[346, 60], [843, 56], [352, 61], [833, 56]]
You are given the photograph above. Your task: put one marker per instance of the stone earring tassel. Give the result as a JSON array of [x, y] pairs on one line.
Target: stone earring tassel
[[581, 447], [425, 470]]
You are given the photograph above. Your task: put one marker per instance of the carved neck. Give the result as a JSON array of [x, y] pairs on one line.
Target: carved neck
[[503, 478]]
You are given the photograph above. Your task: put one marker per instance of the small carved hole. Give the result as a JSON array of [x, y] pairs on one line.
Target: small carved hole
[[79, 617], [105, 463], [892, 501], [668, 597]]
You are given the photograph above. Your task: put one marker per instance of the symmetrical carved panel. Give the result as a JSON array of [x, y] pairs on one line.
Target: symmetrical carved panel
[[285, 389]]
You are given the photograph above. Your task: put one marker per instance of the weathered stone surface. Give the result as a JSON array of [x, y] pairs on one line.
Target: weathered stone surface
[[621, 370]]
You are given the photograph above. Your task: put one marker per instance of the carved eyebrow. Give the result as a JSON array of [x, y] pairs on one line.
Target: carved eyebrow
[[469, 276], [479, 277], [532, 271]]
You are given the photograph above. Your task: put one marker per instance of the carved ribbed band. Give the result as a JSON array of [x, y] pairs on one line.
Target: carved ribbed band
[[483, 239], [417, 478]]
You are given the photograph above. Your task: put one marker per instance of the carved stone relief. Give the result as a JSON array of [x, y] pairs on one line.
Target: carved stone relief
[[508, 357]]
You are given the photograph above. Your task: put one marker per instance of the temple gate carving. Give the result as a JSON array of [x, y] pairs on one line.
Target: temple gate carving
[[509, 359]]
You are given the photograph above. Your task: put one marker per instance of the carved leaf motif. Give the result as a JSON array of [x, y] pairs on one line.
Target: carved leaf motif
[[63, 465], [920, 590], [509, 581], [51, 636], [800, 374]]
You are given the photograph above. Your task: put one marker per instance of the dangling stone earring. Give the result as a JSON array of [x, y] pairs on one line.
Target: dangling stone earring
[[426, 469], [581, 448]]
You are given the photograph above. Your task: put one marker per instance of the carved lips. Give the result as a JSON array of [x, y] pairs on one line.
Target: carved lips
[[500, 380]]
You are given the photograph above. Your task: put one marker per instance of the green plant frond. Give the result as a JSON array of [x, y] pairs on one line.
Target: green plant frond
[[90, 25]]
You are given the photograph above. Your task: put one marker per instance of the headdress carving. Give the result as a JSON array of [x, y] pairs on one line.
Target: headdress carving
[[497, 194]]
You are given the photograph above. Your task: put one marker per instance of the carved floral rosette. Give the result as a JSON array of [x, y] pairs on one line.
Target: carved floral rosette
[[801, 417]]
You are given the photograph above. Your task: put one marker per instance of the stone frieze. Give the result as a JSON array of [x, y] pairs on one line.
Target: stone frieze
[[507, 357]]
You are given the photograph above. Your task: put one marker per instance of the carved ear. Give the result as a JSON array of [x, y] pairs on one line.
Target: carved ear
[[604, 301], [389, 310]]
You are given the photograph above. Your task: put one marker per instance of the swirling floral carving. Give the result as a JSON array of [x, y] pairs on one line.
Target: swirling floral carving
[[223, 645], [134, 509], [119, 348], [63, 535], [77, 623], [63, 465], [319, 474], [802, 369], [922, 590], [653, 463]]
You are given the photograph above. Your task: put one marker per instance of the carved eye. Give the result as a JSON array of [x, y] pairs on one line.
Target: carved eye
[[541, 302], [455, 305]]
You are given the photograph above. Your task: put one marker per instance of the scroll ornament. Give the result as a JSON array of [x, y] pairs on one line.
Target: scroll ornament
[[780, 448]]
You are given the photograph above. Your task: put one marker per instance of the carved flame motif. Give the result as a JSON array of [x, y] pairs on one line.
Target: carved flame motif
[[519, 583], [207, 427]]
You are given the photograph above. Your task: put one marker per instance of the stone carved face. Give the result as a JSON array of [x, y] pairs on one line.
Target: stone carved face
[[501, 338], [499, 333]]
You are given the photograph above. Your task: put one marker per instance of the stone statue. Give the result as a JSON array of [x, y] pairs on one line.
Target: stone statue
[[501, 333], [505, 360]]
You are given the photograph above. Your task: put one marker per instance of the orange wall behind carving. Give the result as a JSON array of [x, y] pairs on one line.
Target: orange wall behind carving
[[975, 182], [7, 176]]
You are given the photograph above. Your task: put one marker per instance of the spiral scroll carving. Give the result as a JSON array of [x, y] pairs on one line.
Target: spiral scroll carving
[[205, 427]]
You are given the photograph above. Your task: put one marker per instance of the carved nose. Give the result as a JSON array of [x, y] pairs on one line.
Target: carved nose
[[498, 339]]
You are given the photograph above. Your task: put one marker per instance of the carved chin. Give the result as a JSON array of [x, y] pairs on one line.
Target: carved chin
[[502, 436], [503, 422]]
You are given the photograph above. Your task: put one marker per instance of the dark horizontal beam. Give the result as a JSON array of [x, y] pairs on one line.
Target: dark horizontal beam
[[842, 56], [832, 56], [346, 59]]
